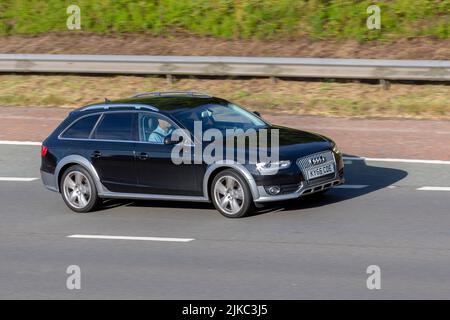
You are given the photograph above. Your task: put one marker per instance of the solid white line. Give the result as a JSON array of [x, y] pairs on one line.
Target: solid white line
[[434, 189], [352, 186], [397, 160], [18, 179], [87, 236], [20, 143]]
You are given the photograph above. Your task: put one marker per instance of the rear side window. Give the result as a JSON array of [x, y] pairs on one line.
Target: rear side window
[[116, 126], [82, 128]]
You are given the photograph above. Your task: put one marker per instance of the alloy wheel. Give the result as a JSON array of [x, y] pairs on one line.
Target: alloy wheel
[[77, 189], [229, 194]]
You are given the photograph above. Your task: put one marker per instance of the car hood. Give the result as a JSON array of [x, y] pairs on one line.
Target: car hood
[[293, 143]]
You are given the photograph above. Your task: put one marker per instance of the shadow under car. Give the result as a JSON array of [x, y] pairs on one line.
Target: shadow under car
[[357, 172]]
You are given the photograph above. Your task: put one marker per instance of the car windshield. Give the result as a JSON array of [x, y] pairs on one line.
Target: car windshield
[[220, 116]]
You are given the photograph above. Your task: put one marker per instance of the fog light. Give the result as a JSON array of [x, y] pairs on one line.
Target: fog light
[[273, 190]]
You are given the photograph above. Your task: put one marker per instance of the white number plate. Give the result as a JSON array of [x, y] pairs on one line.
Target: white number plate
[[320, 171]]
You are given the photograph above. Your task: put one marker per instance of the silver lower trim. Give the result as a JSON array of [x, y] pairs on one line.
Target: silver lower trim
[[303, 190], [258, 192], [144, 196], [49, 181]]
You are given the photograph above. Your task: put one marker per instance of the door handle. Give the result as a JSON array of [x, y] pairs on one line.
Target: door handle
[[143, 156], [96, 154]]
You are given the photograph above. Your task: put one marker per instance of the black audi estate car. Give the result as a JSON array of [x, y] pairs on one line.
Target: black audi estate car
[[124, 149]]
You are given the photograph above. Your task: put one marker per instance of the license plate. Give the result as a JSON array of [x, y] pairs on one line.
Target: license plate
[[320, 171]]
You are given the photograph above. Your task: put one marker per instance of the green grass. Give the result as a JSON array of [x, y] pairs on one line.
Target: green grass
[[263, 19], [294, 97]]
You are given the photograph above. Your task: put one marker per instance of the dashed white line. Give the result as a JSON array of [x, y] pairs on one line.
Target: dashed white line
[[105, 237], [396, 160], [352, 186], [15, 179], [427, 188], [20, 143]]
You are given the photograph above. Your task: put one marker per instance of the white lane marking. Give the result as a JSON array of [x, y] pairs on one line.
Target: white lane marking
[[396, 160], [20, 143], [104, 237], [29, 118], [349, 159], [433, 188], [366, 129], [352, 186], [18, 179]]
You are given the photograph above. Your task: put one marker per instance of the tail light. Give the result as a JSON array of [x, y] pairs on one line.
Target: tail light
[[44, 151]]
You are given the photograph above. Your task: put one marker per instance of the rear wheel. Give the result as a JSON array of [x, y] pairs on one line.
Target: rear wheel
[[78, 190], [231, 195]]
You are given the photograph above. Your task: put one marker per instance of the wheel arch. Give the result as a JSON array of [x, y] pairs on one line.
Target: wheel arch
[[73, 160], [214, 169]]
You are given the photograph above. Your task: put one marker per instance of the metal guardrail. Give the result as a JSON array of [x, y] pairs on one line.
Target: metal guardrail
[[429, 70]]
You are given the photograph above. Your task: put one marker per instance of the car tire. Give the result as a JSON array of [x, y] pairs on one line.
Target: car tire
[[78, 190], [231, 194]]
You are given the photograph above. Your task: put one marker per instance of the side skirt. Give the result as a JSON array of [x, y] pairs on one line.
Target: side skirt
[[141, 196]]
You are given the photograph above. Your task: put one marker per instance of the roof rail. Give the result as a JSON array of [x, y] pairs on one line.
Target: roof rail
[[108, 106], [171, 93]]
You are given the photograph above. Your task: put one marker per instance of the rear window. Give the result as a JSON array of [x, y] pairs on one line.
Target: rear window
[[82, 128], [116, 126]]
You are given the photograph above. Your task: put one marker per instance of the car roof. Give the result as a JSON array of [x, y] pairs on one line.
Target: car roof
[[155, 102]]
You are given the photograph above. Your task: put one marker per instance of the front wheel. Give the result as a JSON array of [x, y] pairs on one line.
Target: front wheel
[[231, 195], [78, 190]]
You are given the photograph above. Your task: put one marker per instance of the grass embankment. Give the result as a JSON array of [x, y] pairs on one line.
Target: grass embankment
[[263, 19], [296, 97]]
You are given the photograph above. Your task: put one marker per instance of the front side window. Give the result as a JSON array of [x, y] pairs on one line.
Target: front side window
[[154, 128], [116, 126], [82, 128], [220, 116]]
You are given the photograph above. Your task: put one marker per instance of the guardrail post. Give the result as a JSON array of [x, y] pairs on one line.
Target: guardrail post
[[385, 84], [169, 79]]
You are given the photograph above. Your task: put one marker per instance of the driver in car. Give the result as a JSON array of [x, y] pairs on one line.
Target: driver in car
[[159, 130]]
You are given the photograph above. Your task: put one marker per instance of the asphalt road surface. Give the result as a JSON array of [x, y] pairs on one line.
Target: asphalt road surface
[[316, 247]]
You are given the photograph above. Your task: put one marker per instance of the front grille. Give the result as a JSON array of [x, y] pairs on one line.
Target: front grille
[[306, 163]]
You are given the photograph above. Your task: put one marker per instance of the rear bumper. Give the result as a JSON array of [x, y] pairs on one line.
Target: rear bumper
[[49, 181]]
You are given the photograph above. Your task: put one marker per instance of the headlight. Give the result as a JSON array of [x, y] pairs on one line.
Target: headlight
[[270, 168], [336, 150]]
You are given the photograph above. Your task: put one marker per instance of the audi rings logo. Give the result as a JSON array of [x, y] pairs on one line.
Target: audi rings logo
[[317, 160]]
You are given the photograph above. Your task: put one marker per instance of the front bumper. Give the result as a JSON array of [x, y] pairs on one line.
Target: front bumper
[[304, 189]]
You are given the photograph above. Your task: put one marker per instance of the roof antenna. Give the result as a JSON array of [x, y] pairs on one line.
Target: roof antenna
[[107, 100]]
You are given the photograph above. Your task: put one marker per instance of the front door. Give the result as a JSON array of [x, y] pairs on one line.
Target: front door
[[156, 173]]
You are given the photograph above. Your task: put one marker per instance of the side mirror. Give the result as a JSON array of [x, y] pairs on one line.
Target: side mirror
[[168, 140], [257, 113]]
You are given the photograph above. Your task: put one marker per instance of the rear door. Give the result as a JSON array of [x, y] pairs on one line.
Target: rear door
[[112, 155]]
